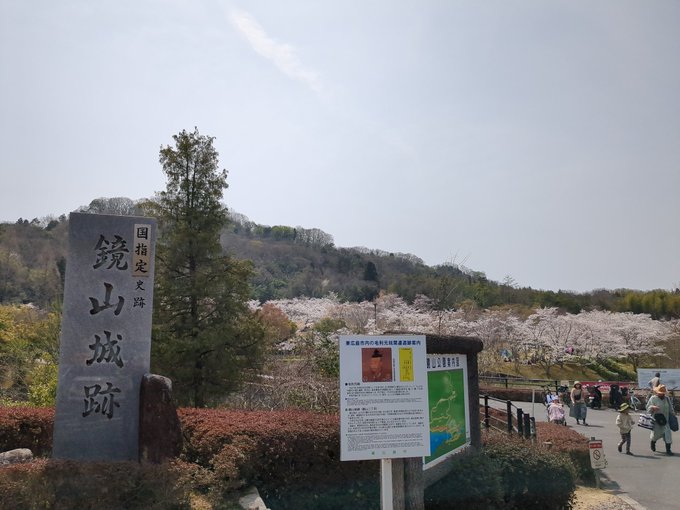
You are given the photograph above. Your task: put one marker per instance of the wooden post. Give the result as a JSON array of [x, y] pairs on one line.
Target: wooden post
[[509, 411], [527, 426], [414, 482], [486, 412], [520, 422]]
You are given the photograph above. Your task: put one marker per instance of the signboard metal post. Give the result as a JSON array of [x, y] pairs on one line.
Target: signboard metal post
[[386, 489]]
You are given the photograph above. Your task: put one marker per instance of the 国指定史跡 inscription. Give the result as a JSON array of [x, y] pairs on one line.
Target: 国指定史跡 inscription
[[106, 336]]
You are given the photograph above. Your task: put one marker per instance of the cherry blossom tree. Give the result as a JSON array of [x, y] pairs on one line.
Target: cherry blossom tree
[[546, 337], [499, 330], [640, 336], [542, 338], [597, 339]]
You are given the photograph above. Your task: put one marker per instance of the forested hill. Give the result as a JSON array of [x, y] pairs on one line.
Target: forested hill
[[295, 261]]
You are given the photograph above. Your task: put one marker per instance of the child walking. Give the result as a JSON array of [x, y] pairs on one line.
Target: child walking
[[625, 423]]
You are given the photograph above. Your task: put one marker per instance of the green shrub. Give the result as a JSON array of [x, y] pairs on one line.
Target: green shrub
[[329, 325], [42, 389], [356, 495], [622, 373], [603, 371], [474, 482], [533, 478]]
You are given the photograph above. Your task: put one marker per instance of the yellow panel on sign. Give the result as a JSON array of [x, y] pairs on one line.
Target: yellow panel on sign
[[406, 364]]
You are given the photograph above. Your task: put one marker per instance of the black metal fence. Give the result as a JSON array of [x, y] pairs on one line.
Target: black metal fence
[[504, 416]]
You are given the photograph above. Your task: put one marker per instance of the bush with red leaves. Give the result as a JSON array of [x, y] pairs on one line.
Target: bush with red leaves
[[64, 485], [27, 427], [287, 454], [567, 440]]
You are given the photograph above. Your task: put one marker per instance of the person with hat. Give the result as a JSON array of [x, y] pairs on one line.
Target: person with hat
[[578, 408], [660, 407], [625, 423]]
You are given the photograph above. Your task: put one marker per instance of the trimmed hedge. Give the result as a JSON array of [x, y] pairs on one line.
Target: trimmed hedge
[[475, 482], [27, 427], [574, 444], [509, 473], [514, 394], [533, 478], [293, 457], [64, 485]]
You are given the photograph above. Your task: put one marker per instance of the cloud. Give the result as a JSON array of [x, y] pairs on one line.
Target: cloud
[[282, 55]]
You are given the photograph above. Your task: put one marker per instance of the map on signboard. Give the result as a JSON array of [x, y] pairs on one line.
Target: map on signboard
[[446, 396]]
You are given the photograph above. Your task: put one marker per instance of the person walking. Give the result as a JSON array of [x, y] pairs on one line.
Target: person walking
[[625, 423], [654, 381], [660, 407], [578, 408]]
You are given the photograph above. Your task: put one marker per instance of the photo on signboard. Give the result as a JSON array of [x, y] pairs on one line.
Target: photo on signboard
[[376, 364]]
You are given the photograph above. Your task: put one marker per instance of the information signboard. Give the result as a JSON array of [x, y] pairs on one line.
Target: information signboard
[[448, 406], [383, 397], [670, 377]]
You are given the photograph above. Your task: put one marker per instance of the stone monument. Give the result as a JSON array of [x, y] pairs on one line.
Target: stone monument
[[105, 337]]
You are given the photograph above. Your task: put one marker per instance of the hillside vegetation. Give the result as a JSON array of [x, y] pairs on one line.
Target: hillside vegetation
[[291, 262], [306, 291]]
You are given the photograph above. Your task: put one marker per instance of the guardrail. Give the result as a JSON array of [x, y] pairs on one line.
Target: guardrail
[[505, 416]]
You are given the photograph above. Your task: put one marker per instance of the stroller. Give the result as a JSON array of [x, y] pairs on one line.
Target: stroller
[[556, 412]]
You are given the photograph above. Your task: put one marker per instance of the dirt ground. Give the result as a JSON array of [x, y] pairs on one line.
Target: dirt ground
[[589, 498]]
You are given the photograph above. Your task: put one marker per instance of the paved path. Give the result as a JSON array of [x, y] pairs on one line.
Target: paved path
[[652, 480]]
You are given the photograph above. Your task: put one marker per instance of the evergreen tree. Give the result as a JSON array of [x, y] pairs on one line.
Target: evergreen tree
[[371, 272], [204, 333]]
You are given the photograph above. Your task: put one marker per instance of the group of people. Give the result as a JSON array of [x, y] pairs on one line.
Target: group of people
[[659, 406], [577, 408]]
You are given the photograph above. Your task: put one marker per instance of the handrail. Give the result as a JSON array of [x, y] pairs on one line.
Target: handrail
[[525, 423]]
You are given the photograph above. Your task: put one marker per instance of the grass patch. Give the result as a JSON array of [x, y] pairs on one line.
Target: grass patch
[[568, 372]]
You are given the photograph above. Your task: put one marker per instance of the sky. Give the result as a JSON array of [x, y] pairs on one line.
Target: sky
[[537, 141]]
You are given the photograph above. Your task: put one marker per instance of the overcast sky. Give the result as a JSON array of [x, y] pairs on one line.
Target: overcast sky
[[533, 139]]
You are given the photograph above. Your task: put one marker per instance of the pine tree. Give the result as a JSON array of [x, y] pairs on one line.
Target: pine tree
[[204, 333]]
